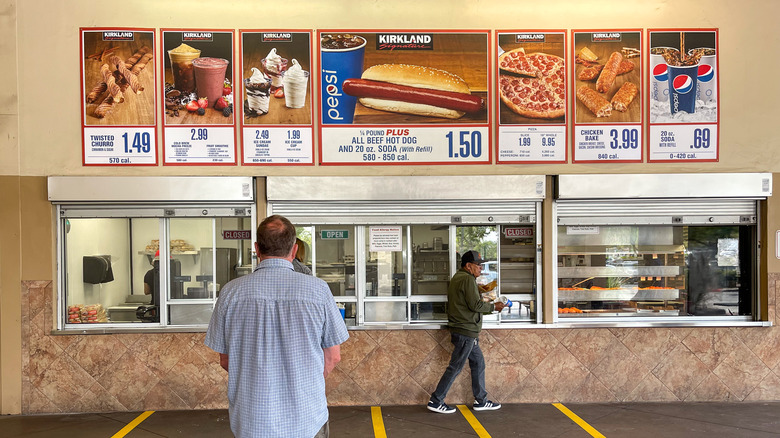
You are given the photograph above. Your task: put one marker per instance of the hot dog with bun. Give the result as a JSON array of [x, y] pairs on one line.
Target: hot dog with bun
[[414, 89]]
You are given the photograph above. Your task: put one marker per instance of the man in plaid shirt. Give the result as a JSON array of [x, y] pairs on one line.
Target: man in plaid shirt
[[278, 333]]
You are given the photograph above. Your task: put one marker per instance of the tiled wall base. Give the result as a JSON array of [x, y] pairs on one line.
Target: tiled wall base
[[133, 372]]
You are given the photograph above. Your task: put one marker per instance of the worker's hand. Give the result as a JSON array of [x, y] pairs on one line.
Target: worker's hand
[[499, 306]]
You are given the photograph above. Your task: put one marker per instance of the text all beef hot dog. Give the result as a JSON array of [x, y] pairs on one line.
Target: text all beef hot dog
[[413, 89]]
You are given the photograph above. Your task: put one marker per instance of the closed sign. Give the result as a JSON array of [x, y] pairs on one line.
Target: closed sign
[[514, 232], [236, 234]]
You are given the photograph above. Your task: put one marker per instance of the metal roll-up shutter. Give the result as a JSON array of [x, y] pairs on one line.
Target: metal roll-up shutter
[[656, 211], [412, 212]]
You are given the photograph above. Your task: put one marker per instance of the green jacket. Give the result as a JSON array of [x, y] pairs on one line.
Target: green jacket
[[465, 306]]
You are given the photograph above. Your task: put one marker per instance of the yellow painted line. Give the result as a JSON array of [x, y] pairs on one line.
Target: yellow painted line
[[131, 425], [475, 424], [580, 422], [379, 424]]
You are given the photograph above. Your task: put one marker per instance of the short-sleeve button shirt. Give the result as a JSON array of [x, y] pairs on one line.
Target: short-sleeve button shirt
[[273, 324]]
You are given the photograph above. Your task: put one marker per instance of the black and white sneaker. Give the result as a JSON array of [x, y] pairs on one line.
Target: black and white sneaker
[[486, 405], [441, 408]]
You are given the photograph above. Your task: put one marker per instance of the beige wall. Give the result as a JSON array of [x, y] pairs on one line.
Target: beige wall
[[40, 135], [48, 40]]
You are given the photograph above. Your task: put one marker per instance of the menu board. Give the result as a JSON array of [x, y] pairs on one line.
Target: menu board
[[607, 96], [117, 97], [531, 102], [404, 97], [277, 113], [683, 95], [198, 122]]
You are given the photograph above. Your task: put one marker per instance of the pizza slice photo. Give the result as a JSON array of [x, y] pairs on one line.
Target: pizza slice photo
[[532, 84]]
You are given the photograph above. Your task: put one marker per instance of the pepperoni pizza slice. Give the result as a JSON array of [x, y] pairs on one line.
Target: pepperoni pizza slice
[[540, 91], [515, 61]]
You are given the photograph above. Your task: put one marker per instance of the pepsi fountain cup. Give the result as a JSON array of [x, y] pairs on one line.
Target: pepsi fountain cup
[[659, 82], [682, 88], [707, 86], [342, 58]]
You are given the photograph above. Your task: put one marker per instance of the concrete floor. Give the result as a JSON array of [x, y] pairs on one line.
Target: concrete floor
[[635, 420]]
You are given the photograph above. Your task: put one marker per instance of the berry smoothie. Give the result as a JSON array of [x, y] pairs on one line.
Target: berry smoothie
[[210, 77]]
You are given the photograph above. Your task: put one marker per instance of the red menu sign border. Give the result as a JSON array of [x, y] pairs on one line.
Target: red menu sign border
[[240, 84], [574, 123], [647, 93], [487, 125], [497, 96], [233, 75], [82, 57]]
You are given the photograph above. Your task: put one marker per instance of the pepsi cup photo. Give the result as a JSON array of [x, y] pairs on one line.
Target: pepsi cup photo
[[341, 58], [659, 74], [706, 88], [683, 74], [682, 88]]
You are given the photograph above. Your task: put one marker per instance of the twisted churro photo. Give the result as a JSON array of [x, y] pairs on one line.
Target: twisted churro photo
[[116, 69]]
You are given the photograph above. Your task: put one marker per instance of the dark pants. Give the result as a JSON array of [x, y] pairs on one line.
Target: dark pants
[[465, 348]]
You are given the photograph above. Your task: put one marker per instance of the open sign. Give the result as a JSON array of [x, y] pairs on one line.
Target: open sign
[[515, 232]]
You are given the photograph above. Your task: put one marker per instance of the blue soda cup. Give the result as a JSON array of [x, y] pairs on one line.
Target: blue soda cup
[[682, 88], [341, 58]]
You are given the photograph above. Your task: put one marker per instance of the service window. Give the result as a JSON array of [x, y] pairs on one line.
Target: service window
[[334, 255], [113, 269], [656, 271]]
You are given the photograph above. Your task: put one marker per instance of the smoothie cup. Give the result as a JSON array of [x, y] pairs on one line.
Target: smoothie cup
[[181, 66], [210, 77]]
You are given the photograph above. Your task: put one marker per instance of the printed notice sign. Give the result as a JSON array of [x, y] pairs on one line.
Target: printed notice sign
[[683, 95], [117, 99], [385, 239], [370, 115]]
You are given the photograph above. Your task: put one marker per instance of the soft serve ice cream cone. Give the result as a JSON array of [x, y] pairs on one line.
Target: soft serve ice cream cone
[[296, 83], [258, 92], [274, 66]]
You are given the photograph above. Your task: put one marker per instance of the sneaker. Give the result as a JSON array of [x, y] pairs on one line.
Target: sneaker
[[487, 405], [441, 408]]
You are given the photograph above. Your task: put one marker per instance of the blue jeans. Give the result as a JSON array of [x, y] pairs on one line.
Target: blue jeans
[[465, 348]]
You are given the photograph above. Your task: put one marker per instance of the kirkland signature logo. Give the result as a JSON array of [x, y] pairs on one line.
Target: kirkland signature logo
[[606, 36], [270, 37], [529, 38], [118, 36], [197, 36], [404, 41]]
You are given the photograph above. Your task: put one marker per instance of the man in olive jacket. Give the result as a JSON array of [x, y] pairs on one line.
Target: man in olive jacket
[[464, 313]]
